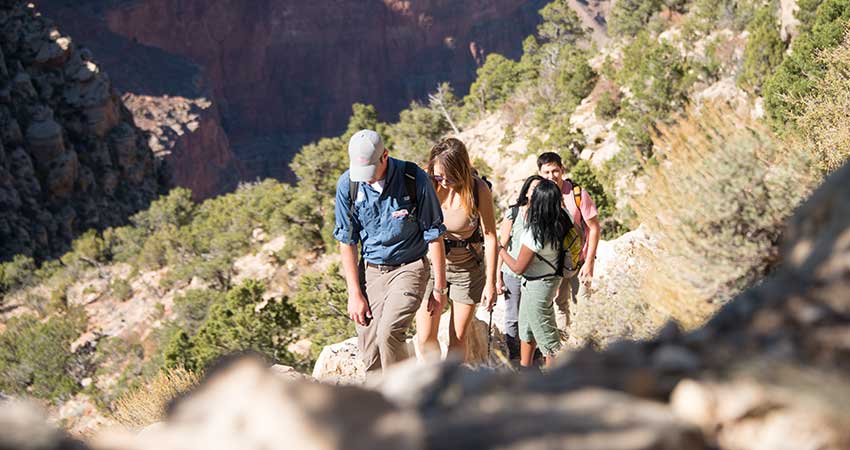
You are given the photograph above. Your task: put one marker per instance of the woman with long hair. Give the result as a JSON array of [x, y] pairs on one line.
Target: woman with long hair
[[468, 215], [507, 282], [540, 255]]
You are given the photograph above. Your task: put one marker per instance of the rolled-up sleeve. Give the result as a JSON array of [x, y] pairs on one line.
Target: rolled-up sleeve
[[430, 214], [347, 229]]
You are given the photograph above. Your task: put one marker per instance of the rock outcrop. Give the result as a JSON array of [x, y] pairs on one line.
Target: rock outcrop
[[168, 96], [188, 134], [70, 157]]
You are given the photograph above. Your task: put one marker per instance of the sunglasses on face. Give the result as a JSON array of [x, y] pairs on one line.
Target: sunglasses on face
[[441, 179]]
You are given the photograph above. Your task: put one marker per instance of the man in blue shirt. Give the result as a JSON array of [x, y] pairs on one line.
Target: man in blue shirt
[[396, 218]]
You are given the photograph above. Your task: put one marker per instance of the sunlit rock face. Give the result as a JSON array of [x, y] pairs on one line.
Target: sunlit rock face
[[70, 157]]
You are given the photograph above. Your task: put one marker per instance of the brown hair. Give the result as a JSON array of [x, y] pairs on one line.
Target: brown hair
[[453, 157]]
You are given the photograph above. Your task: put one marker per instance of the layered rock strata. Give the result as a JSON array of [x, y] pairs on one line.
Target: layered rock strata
[[70, 157]]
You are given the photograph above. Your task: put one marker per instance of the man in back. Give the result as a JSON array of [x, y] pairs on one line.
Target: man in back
[[390, 208], [581, 208]]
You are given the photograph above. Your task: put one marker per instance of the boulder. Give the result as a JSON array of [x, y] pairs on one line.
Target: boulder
[[585, 419], [748, 415], [246, 406], [340, 364], [25, 428]]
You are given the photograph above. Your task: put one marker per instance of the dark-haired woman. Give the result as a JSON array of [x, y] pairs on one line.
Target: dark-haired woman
[[540, 245], [507, 282], [467, 206]]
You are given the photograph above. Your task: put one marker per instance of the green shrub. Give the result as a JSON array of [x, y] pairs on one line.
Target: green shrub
[[192, 306], [708, 15], [764, 52], [417, 130], [121, 289], [560, 23], [799, 71], [119, 363], [35, 355], [495, 82], [607, 106], [16, 274], [823, 124], [629, 17], [243, 321], [322, 303], [655, 74]]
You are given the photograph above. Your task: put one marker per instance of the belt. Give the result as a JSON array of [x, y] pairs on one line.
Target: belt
[[385, 268], [460, 244]]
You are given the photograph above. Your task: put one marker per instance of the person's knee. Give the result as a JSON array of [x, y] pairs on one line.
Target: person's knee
[[386, 336]]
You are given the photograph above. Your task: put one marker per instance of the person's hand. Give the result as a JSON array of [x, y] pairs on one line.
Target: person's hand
[[358, 309], [500, 284], [436, 303], [585, 275], [488, 297]]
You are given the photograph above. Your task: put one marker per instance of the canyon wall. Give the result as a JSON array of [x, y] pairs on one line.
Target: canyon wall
[[284, 72]]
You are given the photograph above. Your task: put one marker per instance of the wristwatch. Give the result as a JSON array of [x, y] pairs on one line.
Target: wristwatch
[[443, 291]]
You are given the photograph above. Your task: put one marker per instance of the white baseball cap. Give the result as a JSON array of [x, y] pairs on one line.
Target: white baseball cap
[[364, 152]]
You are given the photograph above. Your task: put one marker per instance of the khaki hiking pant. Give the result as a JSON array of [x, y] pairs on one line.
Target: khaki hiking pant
[[394, 296], [571, 291]]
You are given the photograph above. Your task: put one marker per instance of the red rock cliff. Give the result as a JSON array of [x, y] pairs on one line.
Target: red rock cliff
[[286, 71]]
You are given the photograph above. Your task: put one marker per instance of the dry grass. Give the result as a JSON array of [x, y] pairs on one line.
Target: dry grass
[[147, 404], [823, 123], [716, 203]]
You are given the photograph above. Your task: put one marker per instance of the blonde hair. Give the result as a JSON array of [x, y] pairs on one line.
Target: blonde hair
[[454, 159]]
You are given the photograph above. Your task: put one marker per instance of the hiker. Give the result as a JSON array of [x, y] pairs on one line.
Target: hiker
[[508, 282], [388, 206], [541, 263], [467, 206], [582, 210]]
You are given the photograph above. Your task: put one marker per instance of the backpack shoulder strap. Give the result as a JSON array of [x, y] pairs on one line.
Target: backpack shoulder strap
[[475, 192], [353, 188], [576, 194], [410, 182]]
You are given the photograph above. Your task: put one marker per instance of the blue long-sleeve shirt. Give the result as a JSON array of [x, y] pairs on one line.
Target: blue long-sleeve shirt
[[384, 223]]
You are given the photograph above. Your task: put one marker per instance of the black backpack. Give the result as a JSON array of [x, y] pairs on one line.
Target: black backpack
[[409, 185]]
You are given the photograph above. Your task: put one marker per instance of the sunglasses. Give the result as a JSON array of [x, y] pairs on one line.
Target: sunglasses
[[440, 179]]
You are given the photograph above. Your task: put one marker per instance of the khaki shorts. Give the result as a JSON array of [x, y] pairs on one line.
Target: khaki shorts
[[465, 280]]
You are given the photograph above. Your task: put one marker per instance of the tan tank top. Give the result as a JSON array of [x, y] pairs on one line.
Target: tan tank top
[[460, 227]]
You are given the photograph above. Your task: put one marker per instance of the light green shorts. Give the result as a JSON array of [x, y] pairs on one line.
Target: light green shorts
[[537, 314]]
